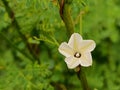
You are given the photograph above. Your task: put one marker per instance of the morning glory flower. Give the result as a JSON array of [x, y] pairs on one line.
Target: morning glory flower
[[77, 51]]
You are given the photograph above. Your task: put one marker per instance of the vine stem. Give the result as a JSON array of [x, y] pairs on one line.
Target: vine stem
[[65, 10], [67, 19], [81, 76]]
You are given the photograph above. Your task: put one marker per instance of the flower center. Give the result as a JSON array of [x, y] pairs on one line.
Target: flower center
[[77, 55]]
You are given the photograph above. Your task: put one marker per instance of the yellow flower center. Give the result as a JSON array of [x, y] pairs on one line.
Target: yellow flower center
[[77, 55]]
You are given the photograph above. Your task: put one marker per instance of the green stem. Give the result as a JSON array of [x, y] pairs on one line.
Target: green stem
[[81, 76], [66, 15], [81, 24]]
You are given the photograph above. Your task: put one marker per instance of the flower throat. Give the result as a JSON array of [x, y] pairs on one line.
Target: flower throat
[[77, 55]]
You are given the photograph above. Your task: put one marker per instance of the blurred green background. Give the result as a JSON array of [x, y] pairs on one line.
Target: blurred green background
[[30, 31]]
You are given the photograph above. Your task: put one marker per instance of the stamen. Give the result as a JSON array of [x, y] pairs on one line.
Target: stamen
[[77, 55]]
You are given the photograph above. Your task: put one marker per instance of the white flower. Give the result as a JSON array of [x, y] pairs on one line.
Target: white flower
[[77, 51]]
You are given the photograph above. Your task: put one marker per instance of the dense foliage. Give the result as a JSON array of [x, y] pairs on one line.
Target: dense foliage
[[31, 31]]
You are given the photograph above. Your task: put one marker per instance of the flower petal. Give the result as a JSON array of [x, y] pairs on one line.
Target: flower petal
[[86, 45], [86, 59], [72, 62], [74, 41], [65, 50]]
